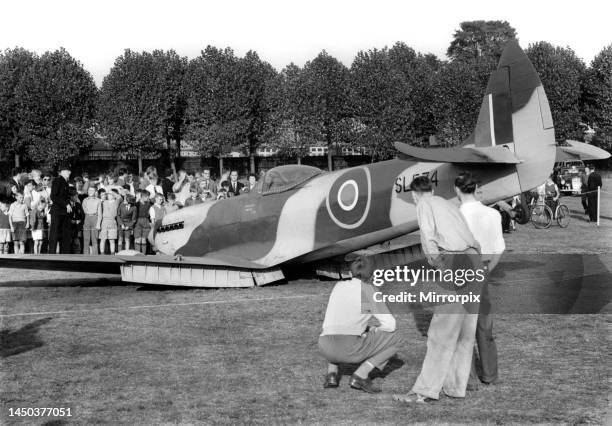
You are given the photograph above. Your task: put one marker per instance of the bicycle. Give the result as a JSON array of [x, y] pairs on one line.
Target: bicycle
[[542, 215]]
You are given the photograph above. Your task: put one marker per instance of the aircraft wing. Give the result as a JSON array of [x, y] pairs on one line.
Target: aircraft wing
[[112, 264], [464, 155]]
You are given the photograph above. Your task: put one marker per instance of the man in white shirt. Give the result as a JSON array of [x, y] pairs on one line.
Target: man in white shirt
[[447, 244], [346, 337], [485, 224]]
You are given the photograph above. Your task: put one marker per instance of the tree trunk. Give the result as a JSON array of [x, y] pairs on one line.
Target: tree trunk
[[220, 167], [299, 159], [171, 156], [252, 152], [17, 160], [139, 163], [330, 163]]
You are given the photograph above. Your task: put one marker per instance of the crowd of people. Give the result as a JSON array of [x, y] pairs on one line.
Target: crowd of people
[[100, 214]]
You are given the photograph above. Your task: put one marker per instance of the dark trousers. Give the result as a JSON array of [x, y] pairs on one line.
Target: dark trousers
[[60, 231], [592, 206], [585, 205], [485, 361]]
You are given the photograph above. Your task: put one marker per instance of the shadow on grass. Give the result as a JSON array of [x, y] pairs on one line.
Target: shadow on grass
[[394, 363], [22, 340]]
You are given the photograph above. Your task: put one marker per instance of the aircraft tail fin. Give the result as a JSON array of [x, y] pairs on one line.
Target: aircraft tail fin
[[515, 114]]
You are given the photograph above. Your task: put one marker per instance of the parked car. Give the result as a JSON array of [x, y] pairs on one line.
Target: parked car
[[569, 176]]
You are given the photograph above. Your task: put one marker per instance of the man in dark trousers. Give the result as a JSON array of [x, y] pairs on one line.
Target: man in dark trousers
[[593, 182], [60, 229], [583, 188]]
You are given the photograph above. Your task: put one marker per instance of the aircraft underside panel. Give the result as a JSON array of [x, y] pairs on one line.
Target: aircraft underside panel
[[197, 275]]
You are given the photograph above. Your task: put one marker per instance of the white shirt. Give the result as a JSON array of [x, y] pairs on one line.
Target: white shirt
[[154, 189], [344, 310], [37, 195], [485, 224]]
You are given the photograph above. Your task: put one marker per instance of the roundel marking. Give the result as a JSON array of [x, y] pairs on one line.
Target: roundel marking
[[349, 198], [348, 194]]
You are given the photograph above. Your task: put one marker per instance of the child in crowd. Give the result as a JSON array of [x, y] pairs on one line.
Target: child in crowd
[[5, 228], [19, 218], [76, 220], [39, 224], [222, 194], [143, 224], [204, 196], [126, 219], [108, 227], [156, 212], [92, 208], [193, 197], [171, 205]]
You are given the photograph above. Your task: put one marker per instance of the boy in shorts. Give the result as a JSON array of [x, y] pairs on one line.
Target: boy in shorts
[[126, 219], [108, 227], [92, 207], [5, 228], [143, 224], [19, 219], [39, 225]]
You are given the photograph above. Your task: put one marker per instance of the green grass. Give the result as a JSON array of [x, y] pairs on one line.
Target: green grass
[[119, 356]]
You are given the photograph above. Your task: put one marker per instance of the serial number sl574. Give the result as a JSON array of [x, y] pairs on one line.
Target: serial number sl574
[[40, 412]]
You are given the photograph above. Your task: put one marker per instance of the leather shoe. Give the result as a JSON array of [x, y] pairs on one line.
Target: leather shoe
[[365, 385], [331, 381]]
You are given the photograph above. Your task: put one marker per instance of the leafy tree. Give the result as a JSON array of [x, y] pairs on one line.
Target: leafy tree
[[325, 95], [562, 73], [286, 130], [168, 98], [13, 65], [381, 102], [57, 104], [212, 104], [420, 72], [456, 100], [142, 103], [228, 102], [597, 97], [478, 41], [254, 80]]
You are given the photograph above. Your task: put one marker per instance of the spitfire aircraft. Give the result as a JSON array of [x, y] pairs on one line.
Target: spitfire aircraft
[[304, 215]]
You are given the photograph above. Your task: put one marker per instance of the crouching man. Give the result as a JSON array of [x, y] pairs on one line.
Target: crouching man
[[346, 336]]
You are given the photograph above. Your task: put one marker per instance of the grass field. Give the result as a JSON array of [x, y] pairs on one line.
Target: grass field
[[123, 354]]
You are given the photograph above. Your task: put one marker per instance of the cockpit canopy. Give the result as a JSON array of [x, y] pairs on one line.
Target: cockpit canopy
[[284, 178]]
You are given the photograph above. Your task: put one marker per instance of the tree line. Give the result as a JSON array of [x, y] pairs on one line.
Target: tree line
[[151, 102]]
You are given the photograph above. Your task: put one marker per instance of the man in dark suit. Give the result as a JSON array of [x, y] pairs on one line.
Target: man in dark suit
[[167, 183], [234, 187], [60, 230], [17, 172], [583, 188], [593, 182]]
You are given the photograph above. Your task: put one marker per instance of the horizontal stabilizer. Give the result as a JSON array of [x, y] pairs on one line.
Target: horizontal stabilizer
[[491, 155]]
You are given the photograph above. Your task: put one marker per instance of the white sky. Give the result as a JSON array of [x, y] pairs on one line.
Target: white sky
[[97, 31]]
